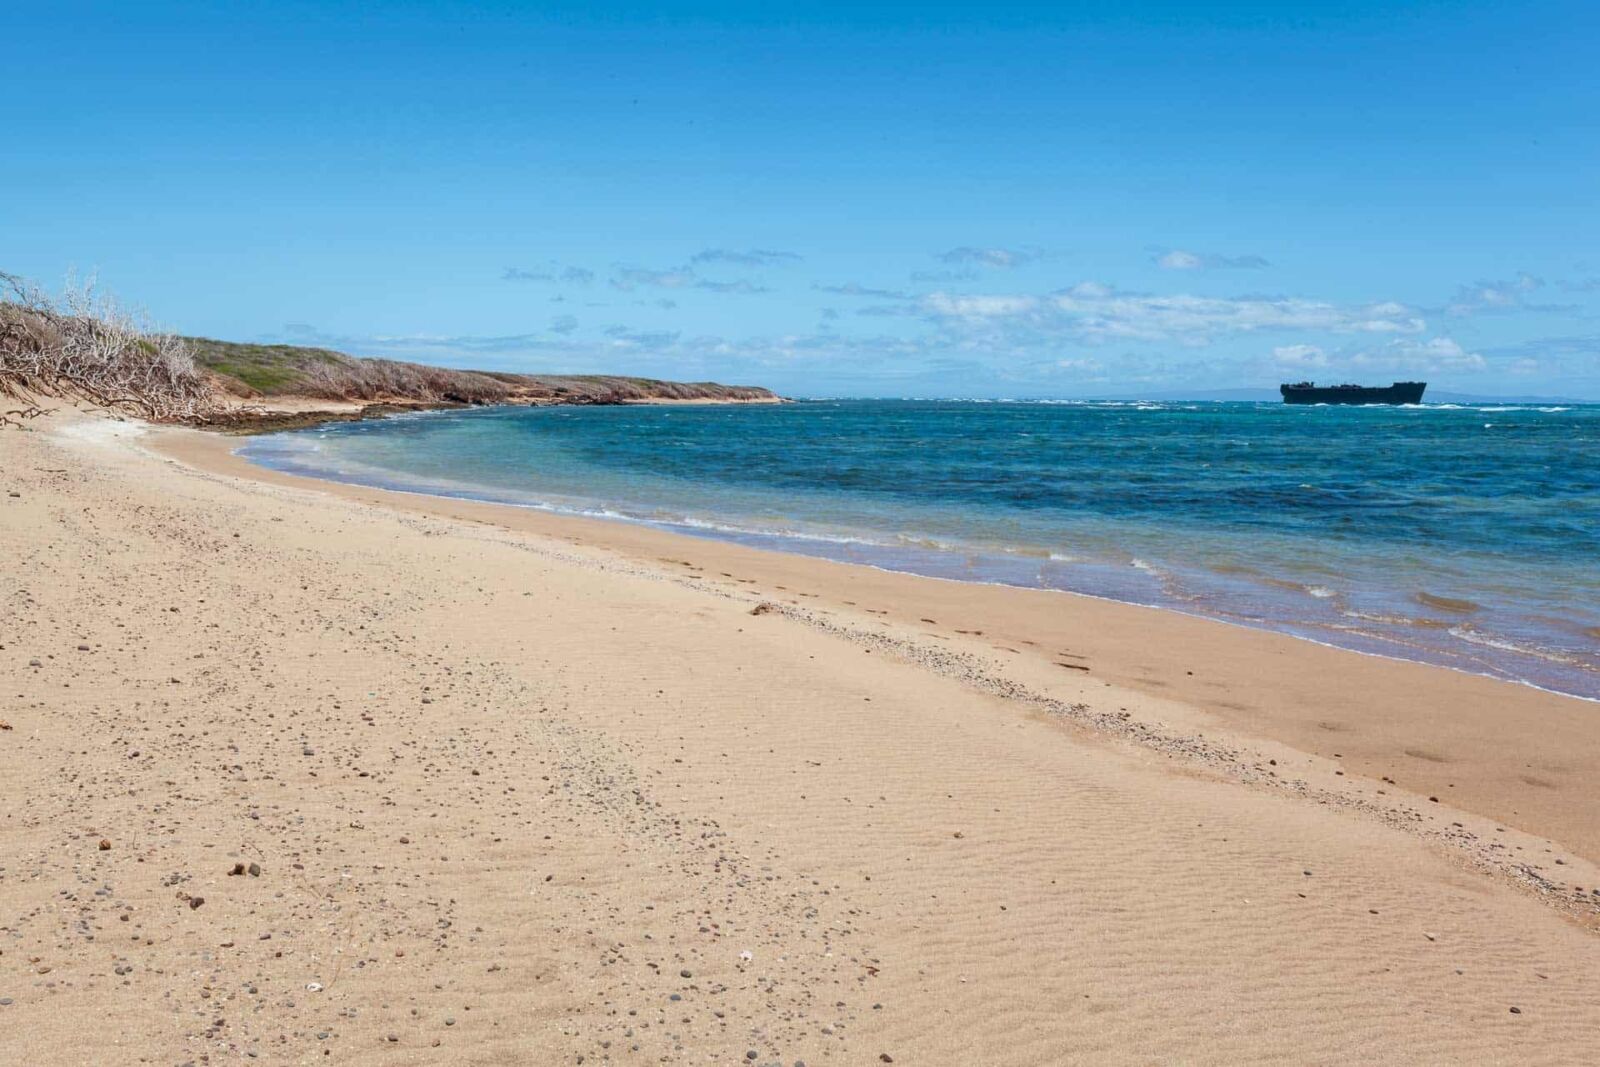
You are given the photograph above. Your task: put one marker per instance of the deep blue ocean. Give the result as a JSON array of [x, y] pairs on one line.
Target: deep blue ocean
[[1461, 535]]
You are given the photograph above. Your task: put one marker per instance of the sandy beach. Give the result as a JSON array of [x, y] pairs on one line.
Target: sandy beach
[[304, 773]]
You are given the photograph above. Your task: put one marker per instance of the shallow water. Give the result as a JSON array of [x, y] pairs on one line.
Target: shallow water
[[1465, 536]]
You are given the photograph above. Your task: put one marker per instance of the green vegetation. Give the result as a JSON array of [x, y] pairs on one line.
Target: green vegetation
[[252, 370], [265, 369]]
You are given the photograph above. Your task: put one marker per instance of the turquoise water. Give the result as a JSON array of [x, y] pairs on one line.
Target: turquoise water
[[1465, 536]]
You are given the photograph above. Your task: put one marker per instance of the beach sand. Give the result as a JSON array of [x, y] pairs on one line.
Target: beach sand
[[527, 789]]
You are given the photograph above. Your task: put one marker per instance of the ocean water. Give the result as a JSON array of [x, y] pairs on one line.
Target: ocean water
[[1467, 536]]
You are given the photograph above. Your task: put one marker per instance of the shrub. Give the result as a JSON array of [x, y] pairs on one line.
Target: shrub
[[84, 345]]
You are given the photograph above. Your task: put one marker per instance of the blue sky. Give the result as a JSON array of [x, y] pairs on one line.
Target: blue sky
[[867, 199]]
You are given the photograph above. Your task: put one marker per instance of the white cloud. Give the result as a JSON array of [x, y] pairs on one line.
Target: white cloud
[[1093, 366], [1494, 296], [628, 279], [857, 289], [1095, 312], [740, 286], [1179, 259], [1435, 354], [998, 258], [553, 273], [978, 306], [1296, 357], [1405, 355], [754, 257]]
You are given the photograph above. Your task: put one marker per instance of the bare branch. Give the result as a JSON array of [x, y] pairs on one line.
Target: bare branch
[[84, 345]]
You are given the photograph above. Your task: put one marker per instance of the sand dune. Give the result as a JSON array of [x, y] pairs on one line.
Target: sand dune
[[523, 790]]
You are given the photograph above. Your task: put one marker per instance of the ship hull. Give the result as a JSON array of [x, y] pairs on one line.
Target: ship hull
[[1398, 393]]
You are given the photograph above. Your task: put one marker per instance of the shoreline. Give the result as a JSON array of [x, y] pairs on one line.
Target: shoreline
[[797, 545], [277, 414], [1253, 683], [1334, 590], [296, 770]]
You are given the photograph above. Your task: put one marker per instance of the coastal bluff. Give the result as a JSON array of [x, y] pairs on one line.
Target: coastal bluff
[[83, 346], [274, 387]]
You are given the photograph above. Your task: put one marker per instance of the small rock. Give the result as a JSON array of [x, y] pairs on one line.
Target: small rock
[[255, 870], [105, 846], [1516, 1011]]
